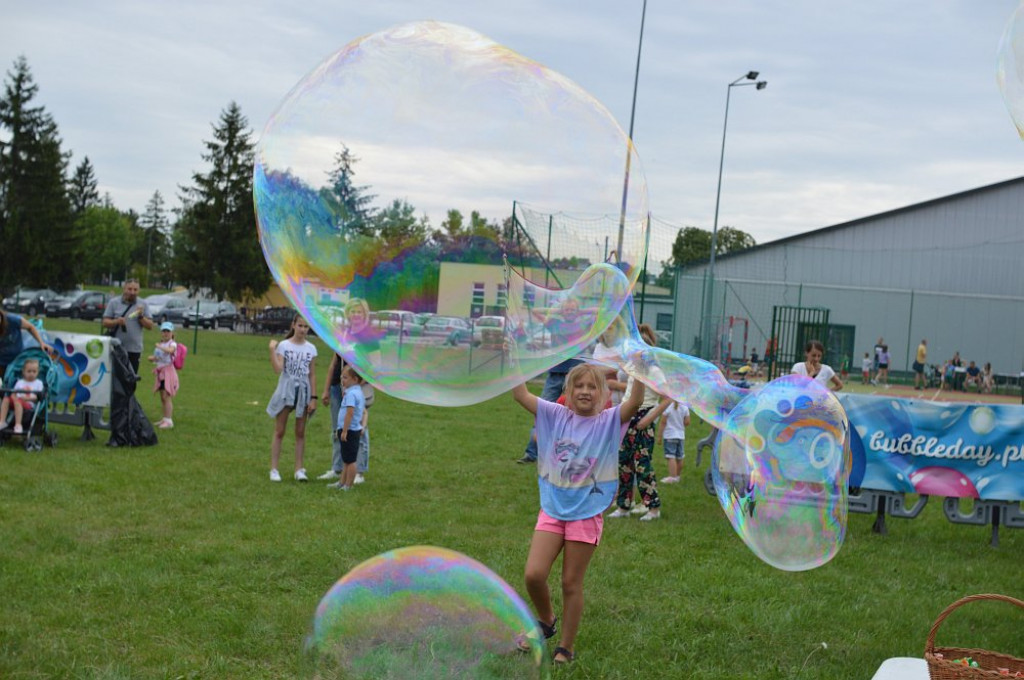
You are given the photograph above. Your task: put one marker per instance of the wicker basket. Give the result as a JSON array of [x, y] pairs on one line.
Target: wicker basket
[[988, 662]]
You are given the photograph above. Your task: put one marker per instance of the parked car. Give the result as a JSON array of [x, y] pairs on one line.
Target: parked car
[[204, 315], [29, 301], [396, 321], [273, 320], [227, 315], [174, 310], [452, 328], [212, 314], [488, 330], [52, 307], [84, 304], [156, 304]]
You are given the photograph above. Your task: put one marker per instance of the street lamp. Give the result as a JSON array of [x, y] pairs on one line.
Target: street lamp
[[749, 79]]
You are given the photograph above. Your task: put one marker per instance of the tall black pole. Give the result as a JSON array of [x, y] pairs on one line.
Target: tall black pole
[[629, 146]]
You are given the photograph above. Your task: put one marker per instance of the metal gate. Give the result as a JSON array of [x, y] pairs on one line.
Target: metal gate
[[792, 327]]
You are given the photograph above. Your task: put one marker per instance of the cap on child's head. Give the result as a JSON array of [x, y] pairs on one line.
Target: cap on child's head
[[167, 326]]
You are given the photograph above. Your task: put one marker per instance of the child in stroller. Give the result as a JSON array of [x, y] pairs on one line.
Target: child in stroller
[[34, 377]]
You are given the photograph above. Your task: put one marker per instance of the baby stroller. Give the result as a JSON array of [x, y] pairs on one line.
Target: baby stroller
[[35, 421]]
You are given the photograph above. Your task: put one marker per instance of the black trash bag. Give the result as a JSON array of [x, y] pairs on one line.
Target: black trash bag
[[129, 425]]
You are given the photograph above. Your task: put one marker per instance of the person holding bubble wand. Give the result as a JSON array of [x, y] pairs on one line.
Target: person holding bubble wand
[[294, 360], [577, 471], [814, 369]]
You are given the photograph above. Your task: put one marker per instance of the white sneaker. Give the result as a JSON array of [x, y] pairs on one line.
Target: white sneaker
[[275, 476], [300, 475], [329, 475], [359, 479], [620, 512], [17, 429], [638, 509], [669, 480], [3, 425], [336, 486], [165, 424], [651, 514]]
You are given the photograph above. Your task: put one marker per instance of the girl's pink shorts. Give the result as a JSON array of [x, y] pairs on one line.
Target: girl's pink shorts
[[582, 530]]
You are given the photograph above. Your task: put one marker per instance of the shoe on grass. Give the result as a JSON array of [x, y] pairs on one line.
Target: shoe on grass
[[670, 480], [620, 512], [526, 459], [359, 479], [329, 475], [165, 424], [275, 476], [300, 475], [638, 509], [651, 514]]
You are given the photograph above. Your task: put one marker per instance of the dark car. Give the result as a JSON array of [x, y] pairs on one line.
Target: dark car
[[211, 315], [83, 304], [227, 315], [53, 307], [273, 320], [173, 309], [29, 301]]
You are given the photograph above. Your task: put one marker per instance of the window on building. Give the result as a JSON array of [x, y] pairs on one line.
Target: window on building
[[663, 322]]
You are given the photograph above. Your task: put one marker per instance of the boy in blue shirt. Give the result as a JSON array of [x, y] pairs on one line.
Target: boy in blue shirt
[[350, 425]]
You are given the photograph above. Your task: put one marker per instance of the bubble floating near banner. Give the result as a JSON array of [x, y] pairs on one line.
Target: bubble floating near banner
[[356, 173]]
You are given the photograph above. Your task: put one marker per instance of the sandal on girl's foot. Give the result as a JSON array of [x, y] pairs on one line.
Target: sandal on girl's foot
[[549, 630], [562, 656]]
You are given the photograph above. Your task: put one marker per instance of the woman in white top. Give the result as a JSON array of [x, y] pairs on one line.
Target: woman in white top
[[813, 368]]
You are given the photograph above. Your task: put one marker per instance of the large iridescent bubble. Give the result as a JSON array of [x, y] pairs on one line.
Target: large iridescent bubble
[[423, 612], [355, 174], [781, 467], [782, 460], [1010, 69]]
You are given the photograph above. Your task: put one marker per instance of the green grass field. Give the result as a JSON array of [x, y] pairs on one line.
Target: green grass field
[[183, 561]]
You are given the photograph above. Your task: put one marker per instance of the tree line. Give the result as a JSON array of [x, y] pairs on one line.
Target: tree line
[[56, 230]]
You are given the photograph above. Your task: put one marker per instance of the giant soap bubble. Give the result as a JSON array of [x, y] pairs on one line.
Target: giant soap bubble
[[1010, 70], [423, 612], [781, 467], [782, 460], [355, 174]]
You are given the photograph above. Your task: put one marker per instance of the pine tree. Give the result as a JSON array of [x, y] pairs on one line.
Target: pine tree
[[157, 241], [82, 189], [35, 212], [215, 239], [349, 203]]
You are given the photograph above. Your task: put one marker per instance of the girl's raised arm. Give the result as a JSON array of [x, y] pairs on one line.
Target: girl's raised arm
[[526, 399], [632, 402], [276, 360]]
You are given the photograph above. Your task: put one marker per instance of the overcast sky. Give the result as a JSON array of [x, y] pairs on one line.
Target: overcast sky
[[870, 105]]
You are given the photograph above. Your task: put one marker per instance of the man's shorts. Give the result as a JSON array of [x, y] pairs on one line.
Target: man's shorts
[[582, 530], [918, 367], [674, 448]]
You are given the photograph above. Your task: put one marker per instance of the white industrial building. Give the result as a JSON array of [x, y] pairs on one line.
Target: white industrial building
[[947, 270]]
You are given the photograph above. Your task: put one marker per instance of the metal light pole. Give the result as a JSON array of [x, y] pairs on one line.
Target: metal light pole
[[629, 147], [750, 78]]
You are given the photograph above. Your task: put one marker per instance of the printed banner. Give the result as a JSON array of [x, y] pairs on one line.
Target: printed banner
[[936, 448], [83, 369]]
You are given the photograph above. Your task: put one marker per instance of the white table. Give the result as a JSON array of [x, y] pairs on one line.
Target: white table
[[902, 668]]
